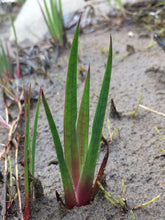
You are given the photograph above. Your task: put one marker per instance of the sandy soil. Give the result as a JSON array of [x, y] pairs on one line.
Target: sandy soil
[[132, 155]]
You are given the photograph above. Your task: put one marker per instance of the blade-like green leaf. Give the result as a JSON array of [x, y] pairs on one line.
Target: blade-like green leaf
[[45, 19], [14, 32], [4, 63], [86, 181], [61, 22], [83, 121], [55, 18], [34, 135], [26, 154], [66, 179], [49, 19], [3, 56], [70, 113]]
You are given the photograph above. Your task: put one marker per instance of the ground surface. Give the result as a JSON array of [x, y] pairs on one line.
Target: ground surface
[[131, 156]]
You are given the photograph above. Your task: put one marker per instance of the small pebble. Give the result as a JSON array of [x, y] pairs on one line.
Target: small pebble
[[131, 34]]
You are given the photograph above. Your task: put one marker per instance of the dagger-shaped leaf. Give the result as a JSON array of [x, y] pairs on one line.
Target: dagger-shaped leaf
[[66, 179], [70, 113], [83, 121], [85, 186]]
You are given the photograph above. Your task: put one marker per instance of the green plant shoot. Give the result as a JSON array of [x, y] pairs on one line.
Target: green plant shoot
[[29, 153], [53, 18], [78, 160], [5, 67]]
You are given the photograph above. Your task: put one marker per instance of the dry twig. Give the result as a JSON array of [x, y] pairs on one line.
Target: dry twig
[[151, 110], [16, 144]]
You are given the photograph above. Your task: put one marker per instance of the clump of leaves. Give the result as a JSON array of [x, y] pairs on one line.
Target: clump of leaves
[[54, 20], [6, 71], [29, 154], [78, 161], [5, 67]]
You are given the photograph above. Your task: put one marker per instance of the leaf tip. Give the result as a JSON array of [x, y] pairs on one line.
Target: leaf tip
[[110, 38], [88, 72], [79, 19], [42, 93]]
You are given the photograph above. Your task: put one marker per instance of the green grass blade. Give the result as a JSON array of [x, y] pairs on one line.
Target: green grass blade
[[70, 113], [60, 12], [61, 21], [26, 155], [49, 19], [55, 18], [34, 135], [85, 185], [14, 32], [4, 63], [3, 56], [44, 16], [83, 121], [66, 179]]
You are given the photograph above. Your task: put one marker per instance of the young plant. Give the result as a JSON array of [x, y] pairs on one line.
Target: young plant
[[10, 195], [54, 20], [5, 67], [6, 72], [78, 161], [29, 154]]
